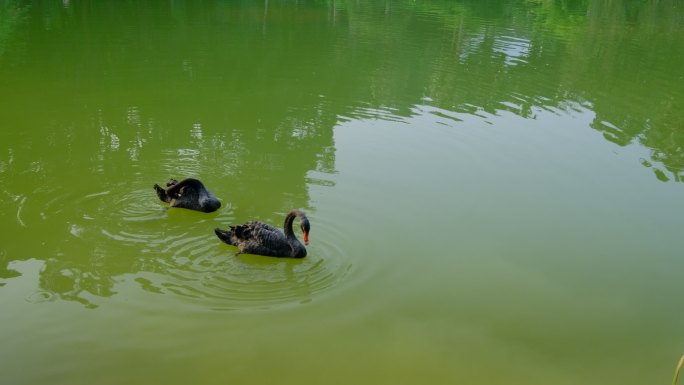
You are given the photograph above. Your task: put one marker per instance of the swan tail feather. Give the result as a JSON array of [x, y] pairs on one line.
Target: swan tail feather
[[225, 235]]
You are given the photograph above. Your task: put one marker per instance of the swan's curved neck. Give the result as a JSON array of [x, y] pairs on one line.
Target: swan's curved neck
[[298, 249], [289, 219]]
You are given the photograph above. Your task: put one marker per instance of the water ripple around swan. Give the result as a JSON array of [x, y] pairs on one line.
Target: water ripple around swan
[[214, 275], [141, 243], [201, 268]]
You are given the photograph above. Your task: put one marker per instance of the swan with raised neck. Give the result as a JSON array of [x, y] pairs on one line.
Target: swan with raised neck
[[262, 239]]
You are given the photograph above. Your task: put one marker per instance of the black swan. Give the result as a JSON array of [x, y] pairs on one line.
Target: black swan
[[259, 238], [189, 194]]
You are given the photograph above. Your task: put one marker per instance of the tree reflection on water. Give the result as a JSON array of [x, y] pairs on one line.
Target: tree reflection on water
[[224, 89]]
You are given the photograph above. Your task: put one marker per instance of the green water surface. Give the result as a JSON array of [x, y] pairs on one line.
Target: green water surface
[[496, 191]]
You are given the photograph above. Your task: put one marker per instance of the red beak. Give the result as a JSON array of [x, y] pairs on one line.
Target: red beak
[[306, 239]]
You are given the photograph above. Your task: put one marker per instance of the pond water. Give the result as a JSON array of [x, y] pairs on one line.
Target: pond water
[[494, 187]]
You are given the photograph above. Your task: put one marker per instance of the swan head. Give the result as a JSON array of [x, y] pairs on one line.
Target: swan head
[[306, 228]]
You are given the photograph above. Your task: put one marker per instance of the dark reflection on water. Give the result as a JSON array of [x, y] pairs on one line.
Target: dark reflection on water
[[108, 99], [623, 59]]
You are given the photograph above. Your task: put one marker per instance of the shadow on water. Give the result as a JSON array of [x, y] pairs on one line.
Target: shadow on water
[[246, 97]]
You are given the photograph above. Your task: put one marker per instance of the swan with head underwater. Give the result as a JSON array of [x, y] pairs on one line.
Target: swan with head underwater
[[259, 238], [189, 194]]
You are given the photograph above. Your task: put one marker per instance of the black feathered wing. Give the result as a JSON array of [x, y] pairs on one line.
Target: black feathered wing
[[260, 238], [189, 194]]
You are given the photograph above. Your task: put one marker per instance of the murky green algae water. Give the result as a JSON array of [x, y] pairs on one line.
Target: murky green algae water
[[495, 190]]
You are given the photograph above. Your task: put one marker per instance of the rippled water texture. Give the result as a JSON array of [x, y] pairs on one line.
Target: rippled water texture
[[494, 188]]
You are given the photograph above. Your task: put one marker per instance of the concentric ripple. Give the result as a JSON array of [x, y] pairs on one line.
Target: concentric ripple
[[112, 243], [212, 274], [132, 239]]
